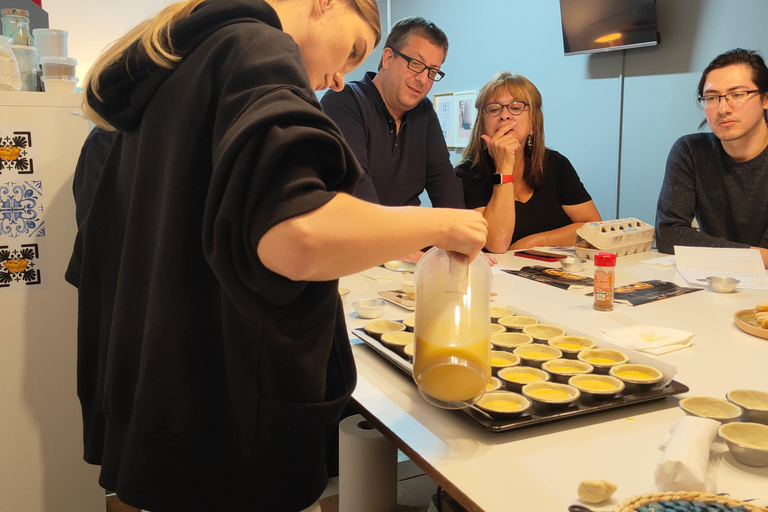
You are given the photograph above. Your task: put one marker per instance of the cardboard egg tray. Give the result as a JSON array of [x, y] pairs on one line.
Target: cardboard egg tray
[[620, 236]]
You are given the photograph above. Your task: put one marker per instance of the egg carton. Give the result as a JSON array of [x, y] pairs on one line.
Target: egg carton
[[620, 236]]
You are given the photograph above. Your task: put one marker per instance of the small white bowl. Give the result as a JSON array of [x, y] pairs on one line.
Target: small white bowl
[[712, 408], [376, 328], [753, 402], [369, 308], [748, 442], [722, 284], [517, 323], [572, 264]]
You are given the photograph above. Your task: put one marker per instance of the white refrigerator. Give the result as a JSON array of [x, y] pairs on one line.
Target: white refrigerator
[[41, 463]]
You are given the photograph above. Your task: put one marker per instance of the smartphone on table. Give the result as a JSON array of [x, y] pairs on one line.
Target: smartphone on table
[[540, 255]]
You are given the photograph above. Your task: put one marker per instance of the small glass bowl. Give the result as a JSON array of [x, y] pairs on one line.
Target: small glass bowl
[[722, 284]]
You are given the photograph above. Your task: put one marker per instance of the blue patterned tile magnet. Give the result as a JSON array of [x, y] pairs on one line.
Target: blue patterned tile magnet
[[21, 209], [22, 266]]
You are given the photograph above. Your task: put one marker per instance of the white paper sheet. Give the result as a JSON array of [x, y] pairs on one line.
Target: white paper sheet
[[695, 264]]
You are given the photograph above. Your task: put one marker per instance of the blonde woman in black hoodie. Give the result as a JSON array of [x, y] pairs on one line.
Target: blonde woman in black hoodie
[[212, 349]]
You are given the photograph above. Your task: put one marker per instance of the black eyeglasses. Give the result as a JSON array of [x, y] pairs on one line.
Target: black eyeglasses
[[495, 109], [417, 66], [734, 99]]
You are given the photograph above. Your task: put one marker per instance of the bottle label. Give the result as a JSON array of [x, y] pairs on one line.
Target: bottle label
[[603, 287]]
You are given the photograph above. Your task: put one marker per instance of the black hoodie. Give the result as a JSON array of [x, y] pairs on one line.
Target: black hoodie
[[208, 382]]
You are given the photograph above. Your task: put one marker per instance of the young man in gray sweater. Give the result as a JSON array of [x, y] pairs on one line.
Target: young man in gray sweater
[[721, 178]]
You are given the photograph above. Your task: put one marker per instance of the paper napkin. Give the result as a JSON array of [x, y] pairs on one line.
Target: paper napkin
[[649, 339], [684, 465]]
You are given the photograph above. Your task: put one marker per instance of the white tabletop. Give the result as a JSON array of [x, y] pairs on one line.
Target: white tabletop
[[539, 468]]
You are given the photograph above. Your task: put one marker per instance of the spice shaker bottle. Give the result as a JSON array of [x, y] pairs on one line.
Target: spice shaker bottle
[[605, 267], [452, 354]]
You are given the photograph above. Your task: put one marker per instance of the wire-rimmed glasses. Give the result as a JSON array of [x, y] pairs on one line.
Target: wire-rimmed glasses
[[734, 99]]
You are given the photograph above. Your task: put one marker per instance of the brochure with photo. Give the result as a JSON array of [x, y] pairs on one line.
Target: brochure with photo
[[644, 292], [553, 276]]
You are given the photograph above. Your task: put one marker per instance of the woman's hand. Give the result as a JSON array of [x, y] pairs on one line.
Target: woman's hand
[[502, 147], [465, 230]]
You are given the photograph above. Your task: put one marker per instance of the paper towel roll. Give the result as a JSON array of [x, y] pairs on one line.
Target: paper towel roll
[[367, 468], [684, 464]]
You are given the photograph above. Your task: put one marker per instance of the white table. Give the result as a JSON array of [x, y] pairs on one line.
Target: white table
[[539, 468]]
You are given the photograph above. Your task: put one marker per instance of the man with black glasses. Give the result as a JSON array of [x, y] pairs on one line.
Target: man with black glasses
[[392, 127], [721, 178]]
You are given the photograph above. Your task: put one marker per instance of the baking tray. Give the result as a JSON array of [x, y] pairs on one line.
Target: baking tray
[[528, 420]]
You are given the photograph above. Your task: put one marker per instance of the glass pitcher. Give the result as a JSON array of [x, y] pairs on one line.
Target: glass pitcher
[[452, 352]]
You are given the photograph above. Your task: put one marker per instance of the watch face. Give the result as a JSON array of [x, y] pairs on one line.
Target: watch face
[[496, 179]]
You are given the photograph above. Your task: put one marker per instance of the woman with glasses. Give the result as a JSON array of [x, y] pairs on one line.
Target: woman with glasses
[[530, 195], [213, 356]]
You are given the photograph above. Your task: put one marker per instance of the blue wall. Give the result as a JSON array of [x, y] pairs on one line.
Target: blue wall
[[585, 109]]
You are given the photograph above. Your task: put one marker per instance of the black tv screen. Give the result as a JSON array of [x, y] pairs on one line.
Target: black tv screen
[[592, 26]]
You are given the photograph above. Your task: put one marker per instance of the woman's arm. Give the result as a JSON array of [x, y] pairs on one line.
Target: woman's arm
[[500, 210], [566, 235], [347, 235]]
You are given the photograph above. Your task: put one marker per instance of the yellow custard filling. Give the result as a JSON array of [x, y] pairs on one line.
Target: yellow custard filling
[[502, 405], [596, 385], [550, 394], [601, 360], [523, 377], [537, 355], [635, 375], [500, 361]]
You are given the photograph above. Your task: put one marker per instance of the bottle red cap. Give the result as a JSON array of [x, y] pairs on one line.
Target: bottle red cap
[[605, 259]]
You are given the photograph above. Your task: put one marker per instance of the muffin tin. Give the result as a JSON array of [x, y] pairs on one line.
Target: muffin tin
[[581, 407]]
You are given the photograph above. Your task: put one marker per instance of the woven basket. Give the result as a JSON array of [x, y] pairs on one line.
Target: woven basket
[[638, 501]]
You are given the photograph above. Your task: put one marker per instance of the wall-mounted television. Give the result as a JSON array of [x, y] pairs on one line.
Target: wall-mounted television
[[593, 26]]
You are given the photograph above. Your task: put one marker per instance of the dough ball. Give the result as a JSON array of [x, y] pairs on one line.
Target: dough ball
[[595, 491]]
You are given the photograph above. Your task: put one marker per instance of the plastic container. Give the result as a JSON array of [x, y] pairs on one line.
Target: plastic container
[[620, 236], [29, 71], [67, 85], [50, 42], [605, 267], [16, 26], [452, 356], [58, 67]]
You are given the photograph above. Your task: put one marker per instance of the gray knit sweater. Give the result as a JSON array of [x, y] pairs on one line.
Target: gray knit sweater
[[729, 199]]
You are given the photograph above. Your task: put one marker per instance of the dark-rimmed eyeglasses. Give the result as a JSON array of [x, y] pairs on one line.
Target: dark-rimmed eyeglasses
[[417, 66], [495, 109], [734, 99]]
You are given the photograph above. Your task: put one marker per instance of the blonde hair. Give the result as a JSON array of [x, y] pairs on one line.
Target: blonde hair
[[154, 36], [521, 89]]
